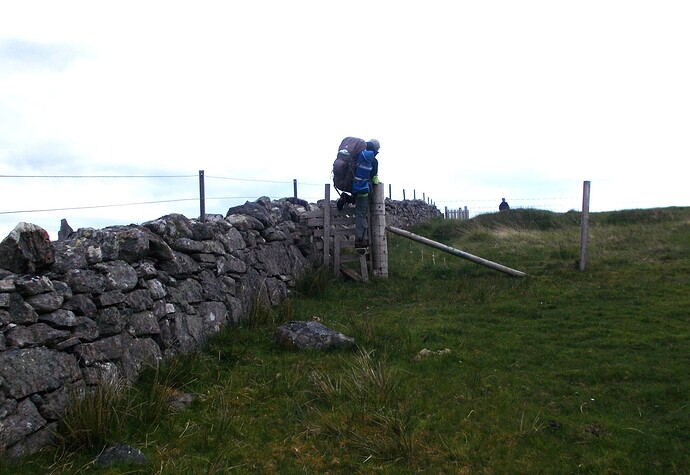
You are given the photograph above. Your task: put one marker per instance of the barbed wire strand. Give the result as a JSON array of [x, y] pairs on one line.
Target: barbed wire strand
[[116, 205], [98, 176], [158, 176], [97, 206], [261, 181], [131, 204]]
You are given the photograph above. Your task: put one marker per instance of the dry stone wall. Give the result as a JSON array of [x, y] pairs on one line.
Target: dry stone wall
[[405, 214], [98, 304]]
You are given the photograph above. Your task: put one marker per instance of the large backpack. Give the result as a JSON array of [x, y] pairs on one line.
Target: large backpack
[[344, 165]]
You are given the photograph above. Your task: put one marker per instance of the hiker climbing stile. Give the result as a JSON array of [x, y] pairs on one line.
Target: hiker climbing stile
[[366, 174]]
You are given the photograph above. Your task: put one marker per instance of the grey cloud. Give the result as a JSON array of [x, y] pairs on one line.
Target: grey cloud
[[44, 157], [19, 55]]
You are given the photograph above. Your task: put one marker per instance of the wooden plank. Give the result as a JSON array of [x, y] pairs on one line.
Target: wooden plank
[[363, 267], [315, 222], [333, 232], [311, 214], [352, 274], [345, 212], [318, 213], [319, 222]]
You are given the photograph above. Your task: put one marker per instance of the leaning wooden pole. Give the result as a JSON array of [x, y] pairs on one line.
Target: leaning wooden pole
[[456, 252]]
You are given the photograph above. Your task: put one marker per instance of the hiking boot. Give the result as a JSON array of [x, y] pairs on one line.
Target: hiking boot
[[340, 203], [361, 243]]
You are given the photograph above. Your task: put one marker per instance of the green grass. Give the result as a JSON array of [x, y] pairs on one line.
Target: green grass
[[559, 372]]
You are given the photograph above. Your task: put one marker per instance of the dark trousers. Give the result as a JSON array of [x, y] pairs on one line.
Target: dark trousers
[[362, 216]]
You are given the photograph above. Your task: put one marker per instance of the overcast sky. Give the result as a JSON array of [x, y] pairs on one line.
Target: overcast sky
[[472, 101]]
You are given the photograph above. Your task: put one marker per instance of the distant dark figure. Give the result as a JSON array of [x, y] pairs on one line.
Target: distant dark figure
[[504, 206]]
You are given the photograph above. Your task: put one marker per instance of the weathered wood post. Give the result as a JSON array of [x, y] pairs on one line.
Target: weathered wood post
[[202, 197], [379, 241], [327, 226], [585, 225]]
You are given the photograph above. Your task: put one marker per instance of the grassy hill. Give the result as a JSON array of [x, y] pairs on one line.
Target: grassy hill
[[459, 368]]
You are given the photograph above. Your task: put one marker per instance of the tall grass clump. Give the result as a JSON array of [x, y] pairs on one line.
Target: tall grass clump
[[159, 384], [97, 417], [315, 282], [365, 409], [366, 380], [263, 313], [371, 380]]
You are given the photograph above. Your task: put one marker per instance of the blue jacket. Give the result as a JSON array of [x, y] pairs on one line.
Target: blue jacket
[[365, 169]]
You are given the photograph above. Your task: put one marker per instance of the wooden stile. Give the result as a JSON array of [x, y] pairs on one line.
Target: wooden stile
[[333, 234]]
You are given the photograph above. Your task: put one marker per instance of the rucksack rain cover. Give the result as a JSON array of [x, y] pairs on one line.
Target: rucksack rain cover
[[344, 165]]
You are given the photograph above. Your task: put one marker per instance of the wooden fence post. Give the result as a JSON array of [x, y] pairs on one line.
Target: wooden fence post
[[327, 226], [585, 225], [202, 197], [379, 241]]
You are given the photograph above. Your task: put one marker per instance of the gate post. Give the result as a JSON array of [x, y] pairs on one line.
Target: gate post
[[379, 242], [327, 225]]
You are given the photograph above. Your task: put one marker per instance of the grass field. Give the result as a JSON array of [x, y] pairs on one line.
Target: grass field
[[458, 368]]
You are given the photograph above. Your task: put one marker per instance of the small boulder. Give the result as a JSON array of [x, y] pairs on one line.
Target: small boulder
[[310, 335], [121, 453], [26, 250]]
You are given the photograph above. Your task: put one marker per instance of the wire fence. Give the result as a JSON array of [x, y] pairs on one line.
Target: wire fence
[[140, 203], [173, 193]]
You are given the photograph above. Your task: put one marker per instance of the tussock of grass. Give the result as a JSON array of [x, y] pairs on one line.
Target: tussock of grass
[[96, 418], [370, 380], [315, 282], [262, 313]]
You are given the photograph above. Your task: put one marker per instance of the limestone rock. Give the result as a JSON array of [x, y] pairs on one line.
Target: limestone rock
[[26, 250], [120, 453], [35, 370], [310, 335]]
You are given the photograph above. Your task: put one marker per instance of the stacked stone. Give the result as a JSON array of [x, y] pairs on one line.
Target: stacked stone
[[98, 305], [407, 213]]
